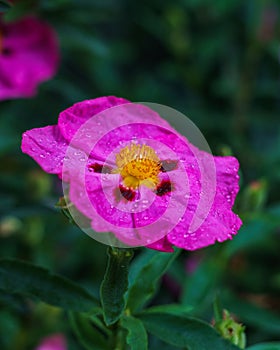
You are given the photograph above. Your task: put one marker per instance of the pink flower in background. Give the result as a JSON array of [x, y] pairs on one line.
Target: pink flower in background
[[29, 55], [53, 342], [164, 171]]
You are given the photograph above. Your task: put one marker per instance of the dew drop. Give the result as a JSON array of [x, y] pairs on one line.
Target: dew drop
[[135, 205]]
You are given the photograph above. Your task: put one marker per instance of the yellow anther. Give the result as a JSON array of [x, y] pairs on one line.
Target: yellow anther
[[138, 165]]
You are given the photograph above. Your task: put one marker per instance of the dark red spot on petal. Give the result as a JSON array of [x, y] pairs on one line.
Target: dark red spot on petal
[[126, 193], [163, 188], [168, 165], [99, 168]]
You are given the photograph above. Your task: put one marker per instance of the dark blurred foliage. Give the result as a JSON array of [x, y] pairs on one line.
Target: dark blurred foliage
[[218, 63]]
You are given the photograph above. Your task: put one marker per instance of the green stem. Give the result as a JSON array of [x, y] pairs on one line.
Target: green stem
[[115, 284], [218, 311], [120, 340]]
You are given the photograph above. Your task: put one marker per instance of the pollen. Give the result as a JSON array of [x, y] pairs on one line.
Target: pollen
[[138, 165]]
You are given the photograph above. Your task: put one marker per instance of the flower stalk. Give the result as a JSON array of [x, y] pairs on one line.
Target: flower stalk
[[115, 284]]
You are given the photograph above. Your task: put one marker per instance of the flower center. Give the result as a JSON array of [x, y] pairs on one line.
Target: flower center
[[138, 165]]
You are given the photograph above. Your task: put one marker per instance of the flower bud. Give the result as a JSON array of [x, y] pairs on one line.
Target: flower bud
[[231, 330]]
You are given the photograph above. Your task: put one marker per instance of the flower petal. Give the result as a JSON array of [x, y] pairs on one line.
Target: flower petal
[[163, 245], [30, 55], [191, 205], [73, 118], [47, 147], [221, 223]]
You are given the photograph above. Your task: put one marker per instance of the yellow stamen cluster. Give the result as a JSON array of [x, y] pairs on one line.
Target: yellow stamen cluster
[[138, 165]]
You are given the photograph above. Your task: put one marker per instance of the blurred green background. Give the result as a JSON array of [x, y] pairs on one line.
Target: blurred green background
[[218, 63]]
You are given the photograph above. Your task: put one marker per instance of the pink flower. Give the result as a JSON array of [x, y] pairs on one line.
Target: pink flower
[[147, 190], [53, 342], [29, 55]]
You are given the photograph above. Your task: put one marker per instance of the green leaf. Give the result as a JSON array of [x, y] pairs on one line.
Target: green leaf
[[137, 336], [265, 346], [89, 336], [144, 277], [99, 323], [186, 332], [115, 284], [11, 301], [22, 278], [171, 309]]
